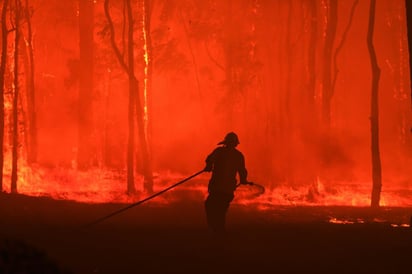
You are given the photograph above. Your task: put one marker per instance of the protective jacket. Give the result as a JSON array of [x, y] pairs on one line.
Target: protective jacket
[[225, 162]]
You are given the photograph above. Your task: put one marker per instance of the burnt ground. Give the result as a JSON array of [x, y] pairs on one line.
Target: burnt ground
[[41, 235]]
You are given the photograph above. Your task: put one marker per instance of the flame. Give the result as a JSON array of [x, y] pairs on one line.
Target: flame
[[109, 186], [340, 194]]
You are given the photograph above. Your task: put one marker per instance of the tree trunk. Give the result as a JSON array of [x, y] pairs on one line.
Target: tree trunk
[[85, 123], [2, 71], [286, 114], [312, 57], [134, 99], [309, 119], [107, 157], [376, 161], [130, 141], [133, 88], [15, 143], [192, 55], [408, 5], [340, 46], [145, 113], [331, 24], [229, 45], [31, 100]]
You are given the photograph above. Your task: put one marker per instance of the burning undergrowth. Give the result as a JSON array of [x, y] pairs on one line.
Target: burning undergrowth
[[109, 186], [340, 203]]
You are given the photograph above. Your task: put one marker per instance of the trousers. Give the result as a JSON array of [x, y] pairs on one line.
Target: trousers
[[216, 206]]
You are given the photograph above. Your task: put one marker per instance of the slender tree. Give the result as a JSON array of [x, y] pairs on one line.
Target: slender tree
[[2, 71], [131, 189], [31, 102], [133, 97], [376, 161], [331, 24], [340, 46], [135, 106], [229, 43], [15, 137], [85, 124], [313, 38], [139, 110], [192, 51], [147, 87], [309, 120], [286, 124], [408, 5]]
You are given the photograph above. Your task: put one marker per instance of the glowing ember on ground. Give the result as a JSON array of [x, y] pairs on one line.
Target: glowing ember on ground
[[338, 221], [401, 225]]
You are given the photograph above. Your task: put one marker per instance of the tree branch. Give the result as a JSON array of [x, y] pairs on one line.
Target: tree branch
[[212, 58], [340, 46], [112, 37]]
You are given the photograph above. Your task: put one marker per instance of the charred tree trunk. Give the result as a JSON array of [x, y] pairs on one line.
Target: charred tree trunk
[[85, 124], [340, 46], [131, 189], [408, 5], [133, 96], [145, 136], [107, 157], [192, 54], [229, 44], [140, 111], [15, 140], [130, 142], [147, 169], [376, 161], [287, 120], [311, 112], [31, 102], [327, 92], [2, 71], [134, 99], [313, 9]]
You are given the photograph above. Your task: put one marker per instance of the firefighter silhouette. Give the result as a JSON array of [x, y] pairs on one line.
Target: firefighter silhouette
[[225, 163]]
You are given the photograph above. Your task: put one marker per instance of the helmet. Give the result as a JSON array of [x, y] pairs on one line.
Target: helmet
[[230, 139]]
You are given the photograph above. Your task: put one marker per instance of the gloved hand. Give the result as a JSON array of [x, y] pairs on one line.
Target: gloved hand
[[208, 168]]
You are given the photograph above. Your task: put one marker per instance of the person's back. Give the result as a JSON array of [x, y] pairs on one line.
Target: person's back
[[225, 162]]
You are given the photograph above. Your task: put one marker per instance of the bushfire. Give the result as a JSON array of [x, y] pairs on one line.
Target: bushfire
[[103, 186], [107, 101]]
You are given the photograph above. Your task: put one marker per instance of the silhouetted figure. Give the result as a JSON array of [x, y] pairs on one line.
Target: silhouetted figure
[[225, 162]]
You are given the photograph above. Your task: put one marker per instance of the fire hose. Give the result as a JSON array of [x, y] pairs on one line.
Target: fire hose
[[259, 187], [144, 200]]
